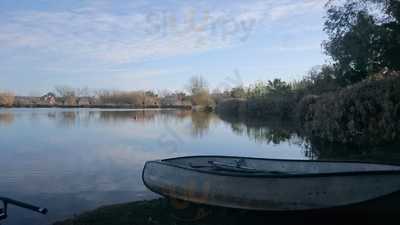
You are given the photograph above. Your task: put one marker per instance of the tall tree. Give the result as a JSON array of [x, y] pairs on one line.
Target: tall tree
[[364, 37], [197, 84]]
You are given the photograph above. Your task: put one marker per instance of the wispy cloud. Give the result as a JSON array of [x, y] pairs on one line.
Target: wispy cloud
[[104, 36], [96, 33]]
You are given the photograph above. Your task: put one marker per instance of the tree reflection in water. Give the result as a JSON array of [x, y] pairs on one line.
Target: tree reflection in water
[[201, 123], [134, 116], [268, 131], [6, 118], [322, 150], [276, 131]]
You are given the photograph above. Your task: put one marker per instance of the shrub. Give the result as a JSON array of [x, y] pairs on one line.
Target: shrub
[[133, 98], [363, 114], [202, 98], [232, 106], [303, 114], [6, 99]]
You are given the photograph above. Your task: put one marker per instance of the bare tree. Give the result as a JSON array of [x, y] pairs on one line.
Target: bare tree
[[65, 91], [6, 99], [196, 85], [163, 93], [82, 92], [198, 88]]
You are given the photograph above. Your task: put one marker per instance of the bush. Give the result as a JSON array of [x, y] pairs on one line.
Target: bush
[[231, 106], [275, 106], [6, 99], [129, 98], [303, 113], [363, 114], [202, 98]]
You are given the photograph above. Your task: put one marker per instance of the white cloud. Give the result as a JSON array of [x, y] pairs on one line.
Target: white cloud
[[288, 10], [102, 36], [96, 34]]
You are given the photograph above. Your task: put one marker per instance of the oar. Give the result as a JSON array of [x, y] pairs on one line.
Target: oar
[[234, 168]]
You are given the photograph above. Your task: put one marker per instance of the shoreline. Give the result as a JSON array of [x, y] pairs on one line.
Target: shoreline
[[159, 211], [95, 106]]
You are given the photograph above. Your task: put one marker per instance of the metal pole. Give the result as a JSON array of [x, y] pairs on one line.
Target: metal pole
[[24, 205]]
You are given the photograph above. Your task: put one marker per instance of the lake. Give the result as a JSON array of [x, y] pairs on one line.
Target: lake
[[73, 160]]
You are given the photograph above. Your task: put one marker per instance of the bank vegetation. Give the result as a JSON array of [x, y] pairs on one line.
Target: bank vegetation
[[356, 98]]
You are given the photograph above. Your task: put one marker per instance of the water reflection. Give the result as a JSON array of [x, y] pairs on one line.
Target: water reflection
[[126, 116], [6, 118], [273, 131], [201, 123], [264, 131], [73, 160], [318, 149], [67, 118]]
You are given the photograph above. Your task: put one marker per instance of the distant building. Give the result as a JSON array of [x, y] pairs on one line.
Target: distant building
[[27, 101], [175, 100], [151, 101], [85, 101], [49, 98]]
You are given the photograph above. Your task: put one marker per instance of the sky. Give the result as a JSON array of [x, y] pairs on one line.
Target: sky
[[157, 44]]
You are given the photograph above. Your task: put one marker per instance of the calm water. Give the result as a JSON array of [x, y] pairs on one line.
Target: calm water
[[72, 160]]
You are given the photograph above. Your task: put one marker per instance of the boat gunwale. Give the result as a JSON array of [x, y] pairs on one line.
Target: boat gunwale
[[299, 175]]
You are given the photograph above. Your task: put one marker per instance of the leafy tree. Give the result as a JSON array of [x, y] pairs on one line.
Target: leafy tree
[[362, 41], [238, 92], [259, 89], [277, 86], [320, 79]]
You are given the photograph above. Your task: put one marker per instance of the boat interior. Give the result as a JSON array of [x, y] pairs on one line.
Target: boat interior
[[275, 166]]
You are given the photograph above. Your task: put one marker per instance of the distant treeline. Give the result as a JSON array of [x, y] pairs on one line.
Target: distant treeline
[[196, 96], [69, 97]]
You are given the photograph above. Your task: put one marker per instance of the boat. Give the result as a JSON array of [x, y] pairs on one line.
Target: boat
[[270, 184]]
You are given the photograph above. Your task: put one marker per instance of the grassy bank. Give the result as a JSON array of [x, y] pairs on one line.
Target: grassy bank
[[153, 212], [158, 212], [135, 213]]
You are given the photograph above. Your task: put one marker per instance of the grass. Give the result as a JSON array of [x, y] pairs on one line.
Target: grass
[[140, 213], [159, 211]]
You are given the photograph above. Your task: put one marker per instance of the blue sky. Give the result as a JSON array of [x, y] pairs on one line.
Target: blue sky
[[137, 45]]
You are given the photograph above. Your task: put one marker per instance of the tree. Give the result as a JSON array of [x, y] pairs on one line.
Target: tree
[[362, 41], [321, 79], [198, 88], [6, 99], [238, 92], [82, 92], [197, 84], [150, 94], [202, 98], [65, 91], [277, 86]]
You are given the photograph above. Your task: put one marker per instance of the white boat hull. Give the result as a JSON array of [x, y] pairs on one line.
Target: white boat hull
[[302, 191]]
